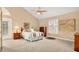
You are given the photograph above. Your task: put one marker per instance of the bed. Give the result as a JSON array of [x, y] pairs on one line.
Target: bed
[[32, 36], [29, 34]]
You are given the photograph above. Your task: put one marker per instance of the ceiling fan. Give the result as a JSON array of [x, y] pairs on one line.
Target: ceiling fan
[[40, 10]]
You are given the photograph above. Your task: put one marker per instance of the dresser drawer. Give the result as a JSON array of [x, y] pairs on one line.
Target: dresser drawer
[[16, 35]]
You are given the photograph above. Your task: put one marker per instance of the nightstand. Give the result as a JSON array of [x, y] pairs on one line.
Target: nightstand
[[16, 36]]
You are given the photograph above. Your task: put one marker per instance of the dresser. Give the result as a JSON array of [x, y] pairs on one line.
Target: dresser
[[44, 30], [76, 42], [16, 36]]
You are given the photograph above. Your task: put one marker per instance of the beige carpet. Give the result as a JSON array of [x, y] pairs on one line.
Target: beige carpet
[[44, 45]]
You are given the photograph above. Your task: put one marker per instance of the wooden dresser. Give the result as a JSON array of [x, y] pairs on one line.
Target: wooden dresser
[[76, 42], [44, 30], [16, 36]]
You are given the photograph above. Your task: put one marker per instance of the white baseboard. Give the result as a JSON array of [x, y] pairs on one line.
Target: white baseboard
[[62, 38]]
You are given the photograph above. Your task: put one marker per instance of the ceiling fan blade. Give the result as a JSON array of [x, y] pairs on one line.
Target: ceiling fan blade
[[41, 11]]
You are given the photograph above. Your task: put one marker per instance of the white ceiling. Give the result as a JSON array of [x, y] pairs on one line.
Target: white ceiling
[[51, 11]]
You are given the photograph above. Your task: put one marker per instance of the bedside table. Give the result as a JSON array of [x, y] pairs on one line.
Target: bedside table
[[16, 36]]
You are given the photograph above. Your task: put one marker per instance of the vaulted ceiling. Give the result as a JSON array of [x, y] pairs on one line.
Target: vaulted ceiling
[[51, 11]]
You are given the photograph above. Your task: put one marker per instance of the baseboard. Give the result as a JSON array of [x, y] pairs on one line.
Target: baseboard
[[61, 38]]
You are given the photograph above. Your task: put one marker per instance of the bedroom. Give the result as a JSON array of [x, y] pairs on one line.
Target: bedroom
[[59, 38]]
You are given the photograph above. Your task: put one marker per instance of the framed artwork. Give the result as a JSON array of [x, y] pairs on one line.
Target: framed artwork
[[67, 25]]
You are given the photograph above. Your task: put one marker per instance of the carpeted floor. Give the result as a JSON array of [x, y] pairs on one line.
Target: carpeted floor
[[44, 45]]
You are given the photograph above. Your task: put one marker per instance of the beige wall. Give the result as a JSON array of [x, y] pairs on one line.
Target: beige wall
[[71, 15], [20, 15]]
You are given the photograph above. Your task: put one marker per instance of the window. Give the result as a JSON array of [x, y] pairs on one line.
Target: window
[[53, 26]]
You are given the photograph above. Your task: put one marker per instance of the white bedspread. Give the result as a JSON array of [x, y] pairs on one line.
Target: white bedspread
[[32, 36]]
